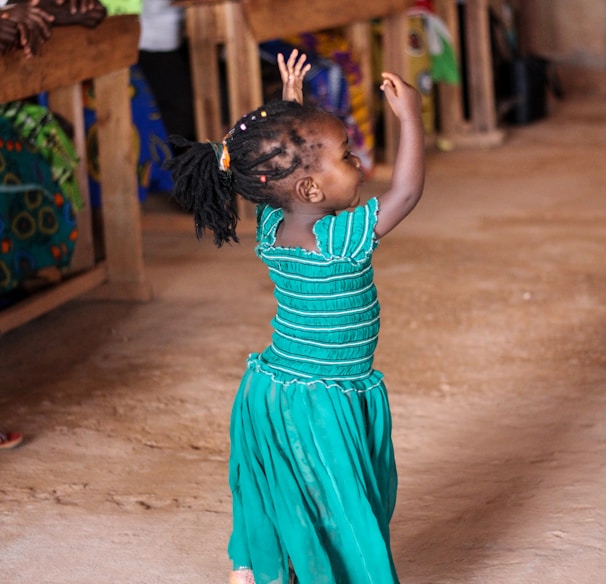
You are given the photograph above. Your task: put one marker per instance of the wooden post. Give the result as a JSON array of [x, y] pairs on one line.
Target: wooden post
[[202, 25], [243, 64], [121, 208], [450, 97], [481, 129], [67, 102], [359, 37], [395, 43]]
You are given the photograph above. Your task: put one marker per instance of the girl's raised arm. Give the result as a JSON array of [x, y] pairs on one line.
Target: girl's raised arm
[[409, 168]]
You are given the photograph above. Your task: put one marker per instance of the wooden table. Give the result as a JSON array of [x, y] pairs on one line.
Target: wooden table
[[103, 54], [240, 25]]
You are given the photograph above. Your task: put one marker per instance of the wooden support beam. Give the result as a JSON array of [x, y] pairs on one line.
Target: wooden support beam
[[480, 85], [243, 64], [395, 44], [202, 24], [42, 302], [73, 54], [67, 102], [359, 35], [117, 163], [271, 19]]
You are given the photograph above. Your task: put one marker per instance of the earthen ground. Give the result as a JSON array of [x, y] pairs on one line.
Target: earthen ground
[[493, 344]]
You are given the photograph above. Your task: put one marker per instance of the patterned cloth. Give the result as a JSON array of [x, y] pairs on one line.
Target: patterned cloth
[[149, 140], [312, 468], [37, 222]]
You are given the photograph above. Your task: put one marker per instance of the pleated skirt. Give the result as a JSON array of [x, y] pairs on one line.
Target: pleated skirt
[[313, 480]]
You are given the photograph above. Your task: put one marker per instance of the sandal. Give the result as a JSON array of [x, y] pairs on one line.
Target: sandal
[[10, 439]]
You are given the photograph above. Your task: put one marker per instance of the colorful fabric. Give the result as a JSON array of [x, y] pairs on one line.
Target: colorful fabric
[[149, 140], [39, 128], [444, 63], [335, 46], [37, 223], [312, 468]]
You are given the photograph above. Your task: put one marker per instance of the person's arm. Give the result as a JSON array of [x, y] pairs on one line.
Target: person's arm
[[87, 13], [292, 73], [409, 168], [76, 12]]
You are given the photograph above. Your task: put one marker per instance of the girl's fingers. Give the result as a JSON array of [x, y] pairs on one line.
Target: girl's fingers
[[295, 68], [299, 64], [292, 59], [282, 67]]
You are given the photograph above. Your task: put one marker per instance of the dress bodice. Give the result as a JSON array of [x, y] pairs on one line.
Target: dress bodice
[[327, 319]]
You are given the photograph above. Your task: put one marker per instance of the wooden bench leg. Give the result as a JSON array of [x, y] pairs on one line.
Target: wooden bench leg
[[120, 203]]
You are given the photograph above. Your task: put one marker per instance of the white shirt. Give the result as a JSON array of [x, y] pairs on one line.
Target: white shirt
[[161, 26]]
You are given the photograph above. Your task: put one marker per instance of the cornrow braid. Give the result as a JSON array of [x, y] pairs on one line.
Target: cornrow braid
[[264, 147]]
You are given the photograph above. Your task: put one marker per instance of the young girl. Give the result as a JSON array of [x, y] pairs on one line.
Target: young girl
[[312, 469]]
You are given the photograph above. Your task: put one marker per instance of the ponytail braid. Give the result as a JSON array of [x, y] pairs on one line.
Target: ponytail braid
[[201, 188], [263, 148]]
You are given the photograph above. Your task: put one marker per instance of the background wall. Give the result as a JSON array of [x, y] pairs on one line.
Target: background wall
[[570, 33]]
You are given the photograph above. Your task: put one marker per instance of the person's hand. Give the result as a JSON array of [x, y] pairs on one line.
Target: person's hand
[[83, 12], [76, 6], [33, 25], [293, 72], [9, 33], [404, 99]]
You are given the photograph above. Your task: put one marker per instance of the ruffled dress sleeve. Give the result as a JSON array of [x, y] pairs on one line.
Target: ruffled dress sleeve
[[268, 219]]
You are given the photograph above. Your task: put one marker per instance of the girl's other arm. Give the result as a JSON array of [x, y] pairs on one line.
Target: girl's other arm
[[409, 169], [292, 73]]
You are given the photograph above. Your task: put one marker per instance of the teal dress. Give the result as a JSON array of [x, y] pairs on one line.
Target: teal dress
[[312, 469]]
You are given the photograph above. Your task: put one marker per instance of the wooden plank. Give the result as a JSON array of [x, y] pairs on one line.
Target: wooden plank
[[47, 300], [201, 23], [71, 55], [67, 102], [395, 45], [117, 163], [479, 59], [359, 35], [243, 63], [450, 97], [270, 19]]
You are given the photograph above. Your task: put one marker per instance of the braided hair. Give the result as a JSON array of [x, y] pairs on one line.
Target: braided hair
[[263, 148]]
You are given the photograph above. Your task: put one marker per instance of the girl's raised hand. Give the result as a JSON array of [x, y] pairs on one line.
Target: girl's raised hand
[[293, 72], [404, 99]]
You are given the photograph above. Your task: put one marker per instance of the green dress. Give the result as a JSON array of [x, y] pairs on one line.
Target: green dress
[[312, 469]]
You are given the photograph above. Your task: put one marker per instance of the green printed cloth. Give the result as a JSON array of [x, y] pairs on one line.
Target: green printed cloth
[[115, 7], [37, 223]]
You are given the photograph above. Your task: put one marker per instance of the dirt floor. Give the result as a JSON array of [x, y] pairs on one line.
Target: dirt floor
[[493, 345]]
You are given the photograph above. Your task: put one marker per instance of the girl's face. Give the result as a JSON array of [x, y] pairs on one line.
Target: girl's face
[[339, 172]]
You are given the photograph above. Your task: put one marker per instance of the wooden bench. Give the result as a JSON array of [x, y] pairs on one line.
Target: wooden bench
[[239, 26], [103, 54]]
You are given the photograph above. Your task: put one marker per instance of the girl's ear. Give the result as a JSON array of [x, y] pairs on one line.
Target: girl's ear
[[308, 191]]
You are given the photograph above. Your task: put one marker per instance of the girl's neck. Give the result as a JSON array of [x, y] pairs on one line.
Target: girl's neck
[[296, 230]]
